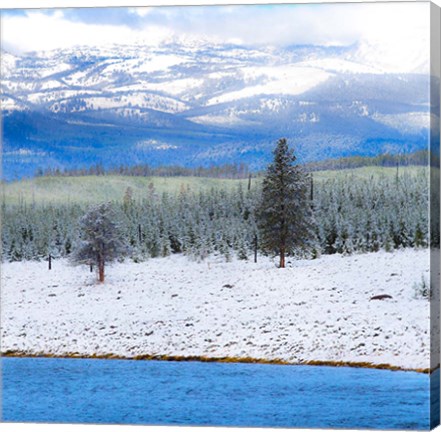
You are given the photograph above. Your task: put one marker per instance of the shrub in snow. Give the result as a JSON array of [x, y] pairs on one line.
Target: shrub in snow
[[422, 289]]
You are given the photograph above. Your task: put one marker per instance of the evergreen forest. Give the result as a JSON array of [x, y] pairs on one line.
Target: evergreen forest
[[349, 214]]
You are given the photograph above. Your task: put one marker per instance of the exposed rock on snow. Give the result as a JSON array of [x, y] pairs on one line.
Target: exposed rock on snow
[[381, 297], [314, 310]]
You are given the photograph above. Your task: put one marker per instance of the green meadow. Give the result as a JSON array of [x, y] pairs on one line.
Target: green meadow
[[93, 189]]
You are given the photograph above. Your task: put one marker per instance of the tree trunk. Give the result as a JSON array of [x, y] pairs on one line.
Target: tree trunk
[[50, 262], [282, 257], [101, 270], [255, 248]]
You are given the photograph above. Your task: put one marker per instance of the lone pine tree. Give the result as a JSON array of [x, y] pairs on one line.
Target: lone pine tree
[[101, 238], [284, 212]]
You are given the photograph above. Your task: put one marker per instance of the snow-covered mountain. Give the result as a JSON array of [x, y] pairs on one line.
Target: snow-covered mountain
[[197, 102]]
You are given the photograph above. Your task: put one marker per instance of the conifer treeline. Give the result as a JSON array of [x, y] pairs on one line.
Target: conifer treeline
[[350, 214], [241, 170], [418, 158], [231, 171]]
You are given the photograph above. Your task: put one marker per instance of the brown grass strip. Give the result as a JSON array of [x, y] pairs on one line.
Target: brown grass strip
[[205, 359]]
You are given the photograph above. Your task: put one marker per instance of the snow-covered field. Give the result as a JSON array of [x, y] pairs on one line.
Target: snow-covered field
[[313, 310]]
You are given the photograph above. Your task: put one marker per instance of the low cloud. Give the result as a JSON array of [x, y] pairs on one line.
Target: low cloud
[[398, 25]]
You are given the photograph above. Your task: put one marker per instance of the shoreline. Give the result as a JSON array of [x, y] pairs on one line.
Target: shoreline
[[204, 359]]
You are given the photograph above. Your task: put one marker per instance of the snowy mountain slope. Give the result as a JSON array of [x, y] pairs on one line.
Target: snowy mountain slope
[[208, 102]]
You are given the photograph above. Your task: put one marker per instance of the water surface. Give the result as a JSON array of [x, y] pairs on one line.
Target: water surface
[[195, 393]]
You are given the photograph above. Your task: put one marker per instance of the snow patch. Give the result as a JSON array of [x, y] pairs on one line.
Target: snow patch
[[154, 144], [229, 119], [288, 80], [412, 122]]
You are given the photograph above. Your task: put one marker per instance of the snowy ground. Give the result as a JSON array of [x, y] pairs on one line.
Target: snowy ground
[[313, 310]]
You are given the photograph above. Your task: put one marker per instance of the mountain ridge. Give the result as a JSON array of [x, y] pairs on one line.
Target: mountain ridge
[[203, 103]]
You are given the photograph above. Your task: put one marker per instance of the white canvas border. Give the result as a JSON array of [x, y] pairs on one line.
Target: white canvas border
[[17, 4]]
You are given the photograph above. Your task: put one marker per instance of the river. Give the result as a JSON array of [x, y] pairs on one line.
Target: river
[[195, 393]]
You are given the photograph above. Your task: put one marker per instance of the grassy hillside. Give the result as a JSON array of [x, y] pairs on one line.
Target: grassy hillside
[[368, 172], [91, 189]]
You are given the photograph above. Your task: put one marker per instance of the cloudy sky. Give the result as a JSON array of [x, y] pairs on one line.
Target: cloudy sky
[[403, 25]]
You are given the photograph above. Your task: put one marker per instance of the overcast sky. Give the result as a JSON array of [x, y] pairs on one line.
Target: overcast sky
[[405, 24]]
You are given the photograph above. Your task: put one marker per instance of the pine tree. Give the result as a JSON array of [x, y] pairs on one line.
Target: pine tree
[[241, 247], [128, 199], [284, 213], [101, 238]]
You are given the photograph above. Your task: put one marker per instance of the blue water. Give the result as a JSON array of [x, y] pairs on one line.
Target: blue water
[[194, 393]]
